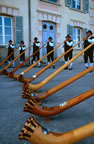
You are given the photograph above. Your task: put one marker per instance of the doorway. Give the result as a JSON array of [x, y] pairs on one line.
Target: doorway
[[48, 29]]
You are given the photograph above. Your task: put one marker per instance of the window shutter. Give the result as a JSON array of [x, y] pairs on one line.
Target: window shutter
[[70, 30], [55, 1], [86, 6], [18, 29], [68, 3], [84, 32]]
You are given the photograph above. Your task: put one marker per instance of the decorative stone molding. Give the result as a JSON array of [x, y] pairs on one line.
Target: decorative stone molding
[[77, 24], [54, 19], [45, 16], [49, 17], [9, 10]]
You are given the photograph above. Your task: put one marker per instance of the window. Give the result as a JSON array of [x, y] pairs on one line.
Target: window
[[76, 4], [55, 1], [5, 29], [52, 1], [86, 6], [76, 36]]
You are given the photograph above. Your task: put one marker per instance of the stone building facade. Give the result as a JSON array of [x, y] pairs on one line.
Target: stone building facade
[[26, 19]]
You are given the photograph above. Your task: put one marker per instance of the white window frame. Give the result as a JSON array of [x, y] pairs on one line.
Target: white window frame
[[3, 29], [76, 40], [76, 1]]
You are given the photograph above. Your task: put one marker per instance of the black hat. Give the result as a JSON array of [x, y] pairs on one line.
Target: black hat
[[50, 38], [68, 36], [89, 31], [10, 41], [35, 38], [22, 41]]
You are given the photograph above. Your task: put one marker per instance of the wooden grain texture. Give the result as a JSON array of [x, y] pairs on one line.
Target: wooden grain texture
[[34, 107], [44, 82], [49, 65], [26, 93], [15, 59], [29, 68], [36, 134], [8, 56], [14, 70]]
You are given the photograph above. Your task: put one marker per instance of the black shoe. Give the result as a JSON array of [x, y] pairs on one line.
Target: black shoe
[[86, 67], [66, 68], [39, 66], [53, 67], [70, 68]]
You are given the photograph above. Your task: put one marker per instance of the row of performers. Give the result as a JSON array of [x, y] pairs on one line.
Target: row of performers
[[68, 43]]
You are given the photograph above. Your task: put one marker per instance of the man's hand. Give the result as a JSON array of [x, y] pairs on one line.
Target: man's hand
[[85, 38], [65, 41]]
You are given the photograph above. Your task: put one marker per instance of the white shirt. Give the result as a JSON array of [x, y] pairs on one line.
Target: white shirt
[[23, 48], [68, 43], [90, 40], [51, 44], [37, 44], [11, 45]]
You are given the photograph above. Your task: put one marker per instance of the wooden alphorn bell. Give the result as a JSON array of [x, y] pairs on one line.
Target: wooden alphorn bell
[[4, 70], [9, 56], [29, 68], [34, 107], [26, 93], [36, 134], [49, 65], [12, 75], [35, 87]]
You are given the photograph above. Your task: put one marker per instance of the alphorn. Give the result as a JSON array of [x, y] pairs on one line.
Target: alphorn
[[11, 75], [33, 107], [22, 78], [35, 87], [30, 67], [4, 70], [36, 134], [8, 56], [26, 93]]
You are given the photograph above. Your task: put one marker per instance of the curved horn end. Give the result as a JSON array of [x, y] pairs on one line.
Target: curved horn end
[[20, 78], [28, 129], [29, 105], [5, 72], [10, 75]]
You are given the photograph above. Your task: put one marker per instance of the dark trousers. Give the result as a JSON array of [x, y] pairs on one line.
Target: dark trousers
[[36, 56], [90, 55], [22, 57], [68, 55], [50, 56], [12, 56]]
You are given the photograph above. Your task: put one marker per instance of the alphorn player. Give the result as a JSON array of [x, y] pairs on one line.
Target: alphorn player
[[89, 53], [68, 43], [50, 47], [36, 46], [22, 48], [11, 47]]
